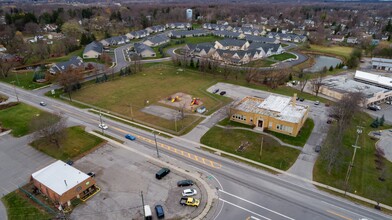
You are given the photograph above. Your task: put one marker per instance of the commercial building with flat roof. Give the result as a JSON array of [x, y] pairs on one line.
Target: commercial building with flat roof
[[275, 113], [382, 64], [61, 183]]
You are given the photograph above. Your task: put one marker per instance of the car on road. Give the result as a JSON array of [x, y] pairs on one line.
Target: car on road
[[159, 211], [222, 93], [130, 137], [42, 103], [317, 148], [189, 192], [103, 126], [215, 91], [185, 183], [92, 174], [317, 102], [162, 172], [189, 201]]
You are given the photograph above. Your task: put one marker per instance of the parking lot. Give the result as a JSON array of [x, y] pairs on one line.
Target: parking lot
[[123, 176]]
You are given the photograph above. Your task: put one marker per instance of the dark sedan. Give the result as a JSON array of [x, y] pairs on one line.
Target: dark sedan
[[184, 183]]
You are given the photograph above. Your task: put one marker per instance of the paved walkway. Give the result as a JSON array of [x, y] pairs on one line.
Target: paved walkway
[[385, 142], [3, 211]]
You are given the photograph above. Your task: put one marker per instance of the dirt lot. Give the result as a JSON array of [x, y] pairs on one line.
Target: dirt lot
[[122, 176]]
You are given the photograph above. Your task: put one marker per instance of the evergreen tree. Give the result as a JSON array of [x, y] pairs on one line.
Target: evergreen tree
[[331, 68], [191, 64], [375, 123], [290, 77], [197, 64], [381, 121]]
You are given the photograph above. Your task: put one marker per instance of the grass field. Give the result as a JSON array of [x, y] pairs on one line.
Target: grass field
[[228, 122], [154, 83], [301, 138], [77, 142], [66, 57], [23, 80], [18, 118], [364, 177], [283, 56], [260, 63], [273, 154], [334, 50], [193, 40], [20, 208]]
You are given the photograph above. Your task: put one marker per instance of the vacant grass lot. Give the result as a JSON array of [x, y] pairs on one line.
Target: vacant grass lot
[[301, 138], [77, 142], [192, 40], [20, 208], [66, 57], [273, 153], [23, 80], [129, 95], [18, 118], [334, 50], [283, 56], [260, 63], [364, 177]]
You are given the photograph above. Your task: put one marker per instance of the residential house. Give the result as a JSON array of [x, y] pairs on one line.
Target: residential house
[[144, 50], [275, 113], [92, 50], [2, 48], [268, 49], [155, 29], [156, 40], [232, 44], [232, 57], [178, 25], [112, 41], [74, 62], [187, 33], [137, 34], [352, 40], [260, 39], [228, 34], [382, 64], [337, 39], [201, 50]]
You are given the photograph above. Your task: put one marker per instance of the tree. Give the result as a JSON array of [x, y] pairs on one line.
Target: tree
[[72, 29], [304, 80], [318, 82], [375, 123], [330, 68], [251, 73], [51, 128], [6, 67], [70, 80], [382, 120]]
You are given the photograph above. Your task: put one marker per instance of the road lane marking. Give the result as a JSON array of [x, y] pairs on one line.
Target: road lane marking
[[185, 154], [254, 213], [341, 216], [345, 210], [255, 204], [72, 113]]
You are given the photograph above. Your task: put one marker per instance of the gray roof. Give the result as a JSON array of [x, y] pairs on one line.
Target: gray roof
[[190, 32], [232, 42], [202, 46], [62, 66], [259, 39], [265, 46], [158, 39], [226, 34], [139, 48], [94, 46]]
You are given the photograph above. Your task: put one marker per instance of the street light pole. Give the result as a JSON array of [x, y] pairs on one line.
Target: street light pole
[[144, 214], [156, 144], [350, 167]]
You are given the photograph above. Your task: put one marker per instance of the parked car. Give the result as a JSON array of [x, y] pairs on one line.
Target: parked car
[[185, 183], [372, 107], [222, 93], [162, 172], [92, 174], [317, 102], [301, 99], [189, 201], [329, 121], [103, 126], [69, 162], [318, 148], [147, 212], [215, 91], [130, 137], [388, 102], [189, 192], [42, 103], [159, 211]]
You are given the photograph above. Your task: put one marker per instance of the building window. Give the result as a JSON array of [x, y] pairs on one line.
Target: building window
[[270, 124]]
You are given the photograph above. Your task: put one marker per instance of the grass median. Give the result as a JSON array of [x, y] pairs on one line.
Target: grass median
[[229, 140]]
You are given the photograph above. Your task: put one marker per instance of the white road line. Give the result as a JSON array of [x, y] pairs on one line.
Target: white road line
[[252, 217], [256, 205], [243, 209], [345, 210]]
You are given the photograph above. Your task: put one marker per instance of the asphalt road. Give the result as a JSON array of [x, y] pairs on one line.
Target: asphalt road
[[244, 191]]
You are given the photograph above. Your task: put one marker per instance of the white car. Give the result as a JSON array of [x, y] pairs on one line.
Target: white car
[[189, 192], [103, 126]]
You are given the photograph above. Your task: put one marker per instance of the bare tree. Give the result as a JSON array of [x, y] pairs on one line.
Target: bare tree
[[318, 82], [6, 67], [251, 73], [305, 78], [51, 128], [70, 80], [277, 77]]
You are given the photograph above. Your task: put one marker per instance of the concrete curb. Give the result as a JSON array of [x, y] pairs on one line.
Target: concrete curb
[[5, 132], [3, 211], [210, 193]]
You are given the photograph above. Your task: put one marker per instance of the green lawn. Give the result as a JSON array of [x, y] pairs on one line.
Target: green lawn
[[19, 207], [301, 138], [260, 63], [364, 177], [23, 80], [283, 56], [273, 153], [228, 122], [162, 81], [334, 50], [18, 118], [66, 57], [192, 40], [77, 142]]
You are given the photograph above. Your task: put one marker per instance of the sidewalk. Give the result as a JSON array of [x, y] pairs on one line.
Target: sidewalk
[[3, 211]]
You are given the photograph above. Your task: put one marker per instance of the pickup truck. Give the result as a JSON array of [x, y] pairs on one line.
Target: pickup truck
[[189, 201]]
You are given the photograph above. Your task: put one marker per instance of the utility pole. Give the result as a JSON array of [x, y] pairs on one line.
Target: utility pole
[[144, 213], [175, 122], [350, 167], [156, 145]]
